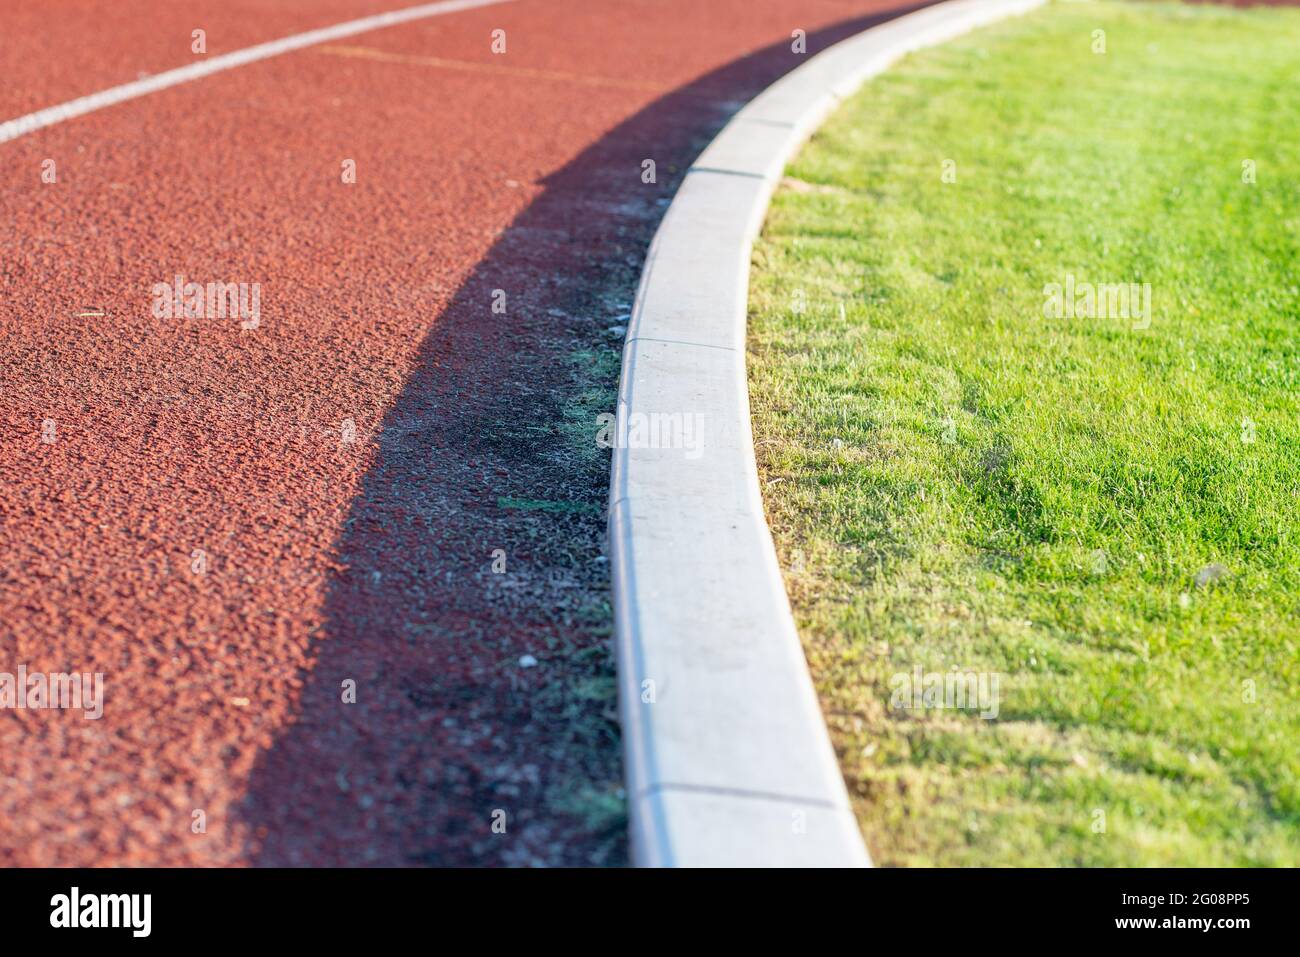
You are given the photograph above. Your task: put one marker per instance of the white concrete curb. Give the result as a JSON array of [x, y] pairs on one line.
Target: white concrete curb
[[728, 760]]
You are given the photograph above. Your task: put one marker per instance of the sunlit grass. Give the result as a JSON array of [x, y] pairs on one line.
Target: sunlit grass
[[966, 482]]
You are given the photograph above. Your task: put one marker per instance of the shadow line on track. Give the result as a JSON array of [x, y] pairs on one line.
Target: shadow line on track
[[491, 445]]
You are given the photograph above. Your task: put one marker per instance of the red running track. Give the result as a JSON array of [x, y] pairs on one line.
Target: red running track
[[232, 523]]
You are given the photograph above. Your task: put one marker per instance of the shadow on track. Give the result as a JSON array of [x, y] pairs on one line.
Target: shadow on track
[[491, 446]]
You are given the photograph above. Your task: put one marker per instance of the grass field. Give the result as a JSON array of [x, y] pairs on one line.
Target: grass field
[[1098, 512]]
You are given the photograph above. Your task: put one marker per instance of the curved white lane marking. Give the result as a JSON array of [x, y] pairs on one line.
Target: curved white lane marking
[[12, 129]]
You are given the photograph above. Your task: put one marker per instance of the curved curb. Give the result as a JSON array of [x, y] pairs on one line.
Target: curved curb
[[728, 762]]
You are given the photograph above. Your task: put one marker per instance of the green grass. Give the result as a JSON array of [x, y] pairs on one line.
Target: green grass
[[955, 479]]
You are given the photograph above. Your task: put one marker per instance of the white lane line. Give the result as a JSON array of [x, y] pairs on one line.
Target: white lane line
[[12, 129]]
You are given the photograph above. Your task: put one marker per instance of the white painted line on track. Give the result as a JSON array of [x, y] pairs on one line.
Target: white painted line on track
[[12, 129]]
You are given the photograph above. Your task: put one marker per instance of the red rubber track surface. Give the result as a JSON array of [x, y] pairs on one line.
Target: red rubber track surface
[[327, 560]]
